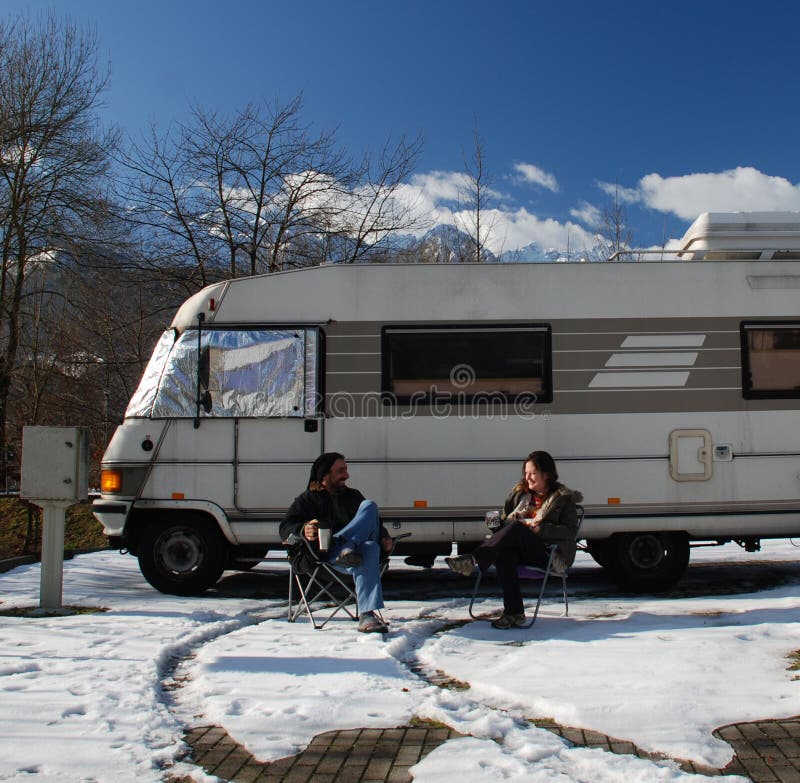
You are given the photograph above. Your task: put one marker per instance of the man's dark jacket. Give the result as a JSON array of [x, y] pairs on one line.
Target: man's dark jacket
[[319, 504]]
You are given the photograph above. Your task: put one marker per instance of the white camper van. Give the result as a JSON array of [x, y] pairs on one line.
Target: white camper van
[[668, 393]]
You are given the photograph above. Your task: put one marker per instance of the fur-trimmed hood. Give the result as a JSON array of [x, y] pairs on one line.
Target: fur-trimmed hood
[[577, 497]]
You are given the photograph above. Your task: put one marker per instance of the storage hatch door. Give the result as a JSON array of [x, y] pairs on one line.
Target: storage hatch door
[[690, 455]]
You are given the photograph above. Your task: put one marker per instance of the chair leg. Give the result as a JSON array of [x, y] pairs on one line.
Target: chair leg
[[315, 590], [542, 588], [538, 600], [295, 608], [303, 602], [541, 595], [474, 594], [341, 604]]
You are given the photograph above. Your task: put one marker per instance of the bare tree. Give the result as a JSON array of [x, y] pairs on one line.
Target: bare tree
[[166, 206], [88, 323], [474, 213], [259, 192], [615, 231], [53, 160], [374, 211], [230, 195], [273, 181]]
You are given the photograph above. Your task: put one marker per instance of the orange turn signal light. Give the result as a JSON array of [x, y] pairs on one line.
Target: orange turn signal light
[[614, 501], [110, 480], [420, 504]]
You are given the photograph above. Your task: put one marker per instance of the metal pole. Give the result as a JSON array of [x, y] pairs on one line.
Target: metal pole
[[52, 579]]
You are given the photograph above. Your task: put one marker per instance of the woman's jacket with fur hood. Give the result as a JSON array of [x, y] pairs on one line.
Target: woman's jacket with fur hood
[[558, 517]]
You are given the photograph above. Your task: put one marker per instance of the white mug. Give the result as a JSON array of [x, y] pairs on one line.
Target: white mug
[[324, 538]]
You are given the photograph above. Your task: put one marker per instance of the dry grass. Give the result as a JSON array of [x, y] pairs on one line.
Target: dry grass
[[21, 529]]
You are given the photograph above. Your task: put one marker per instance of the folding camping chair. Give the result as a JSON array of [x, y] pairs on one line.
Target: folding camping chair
[[532, 572], [323, 589]]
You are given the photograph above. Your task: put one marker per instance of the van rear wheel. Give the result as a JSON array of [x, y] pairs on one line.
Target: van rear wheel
[[602, 552], [245, 557], [182, 556], [649, 562]]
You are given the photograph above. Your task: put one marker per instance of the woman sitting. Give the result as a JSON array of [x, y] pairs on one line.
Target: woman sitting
[[538, 512]]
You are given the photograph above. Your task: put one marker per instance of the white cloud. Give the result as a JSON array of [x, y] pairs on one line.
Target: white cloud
[[742, 189], [615, 190], [434, 198], [427, 198], [587, 213], [441, 185], [536, 176], [512, 230]]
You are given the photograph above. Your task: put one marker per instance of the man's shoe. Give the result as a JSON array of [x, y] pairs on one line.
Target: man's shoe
[[506, 621], [461, 564], [348, 558], [369, 622]]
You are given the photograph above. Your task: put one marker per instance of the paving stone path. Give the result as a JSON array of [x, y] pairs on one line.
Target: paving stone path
[[766, 752], [353, 756]]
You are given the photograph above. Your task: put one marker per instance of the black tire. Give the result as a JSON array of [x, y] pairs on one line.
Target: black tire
[[182, 556], [649, 562], [246, 556], [421, 555], [602, 552]]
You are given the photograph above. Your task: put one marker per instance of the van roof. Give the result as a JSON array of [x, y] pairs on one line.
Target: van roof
[[742, 235]]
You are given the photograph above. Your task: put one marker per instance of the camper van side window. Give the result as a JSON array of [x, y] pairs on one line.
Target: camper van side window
[[427, 365], [770, 360]]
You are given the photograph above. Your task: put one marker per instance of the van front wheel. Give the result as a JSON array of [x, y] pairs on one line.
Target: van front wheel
[[182, 556]]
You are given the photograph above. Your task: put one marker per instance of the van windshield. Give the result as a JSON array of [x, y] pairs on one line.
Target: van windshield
[[251, 373]]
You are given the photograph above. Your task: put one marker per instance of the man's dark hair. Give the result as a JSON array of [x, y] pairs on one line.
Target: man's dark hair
[[321, 467]]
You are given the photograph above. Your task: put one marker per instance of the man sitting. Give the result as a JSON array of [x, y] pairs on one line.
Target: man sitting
[[358, 536]]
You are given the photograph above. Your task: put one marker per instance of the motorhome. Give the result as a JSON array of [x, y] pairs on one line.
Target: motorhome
[[667, 391]]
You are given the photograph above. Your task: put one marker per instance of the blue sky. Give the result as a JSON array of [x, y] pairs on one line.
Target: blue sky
[[684, 106]]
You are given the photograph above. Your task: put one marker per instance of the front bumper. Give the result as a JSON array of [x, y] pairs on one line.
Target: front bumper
[[111, 514]]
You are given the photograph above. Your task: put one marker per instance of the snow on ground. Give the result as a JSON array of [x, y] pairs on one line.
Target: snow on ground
[[82, 696]]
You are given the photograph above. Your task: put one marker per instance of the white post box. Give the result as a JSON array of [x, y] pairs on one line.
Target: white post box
[[55, 469]]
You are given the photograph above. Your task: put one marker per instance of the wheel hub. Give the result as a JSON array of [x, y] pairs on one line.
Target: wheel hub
[[646, 551], [180, 552]]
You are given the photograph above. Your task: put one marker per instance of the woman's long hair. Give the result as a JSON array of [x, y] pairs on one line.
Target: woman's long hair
[[544, 463]]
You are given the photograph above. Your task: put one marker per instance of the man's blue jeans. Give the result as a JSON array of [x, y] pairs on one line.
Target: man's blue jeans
[[363, 533]]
